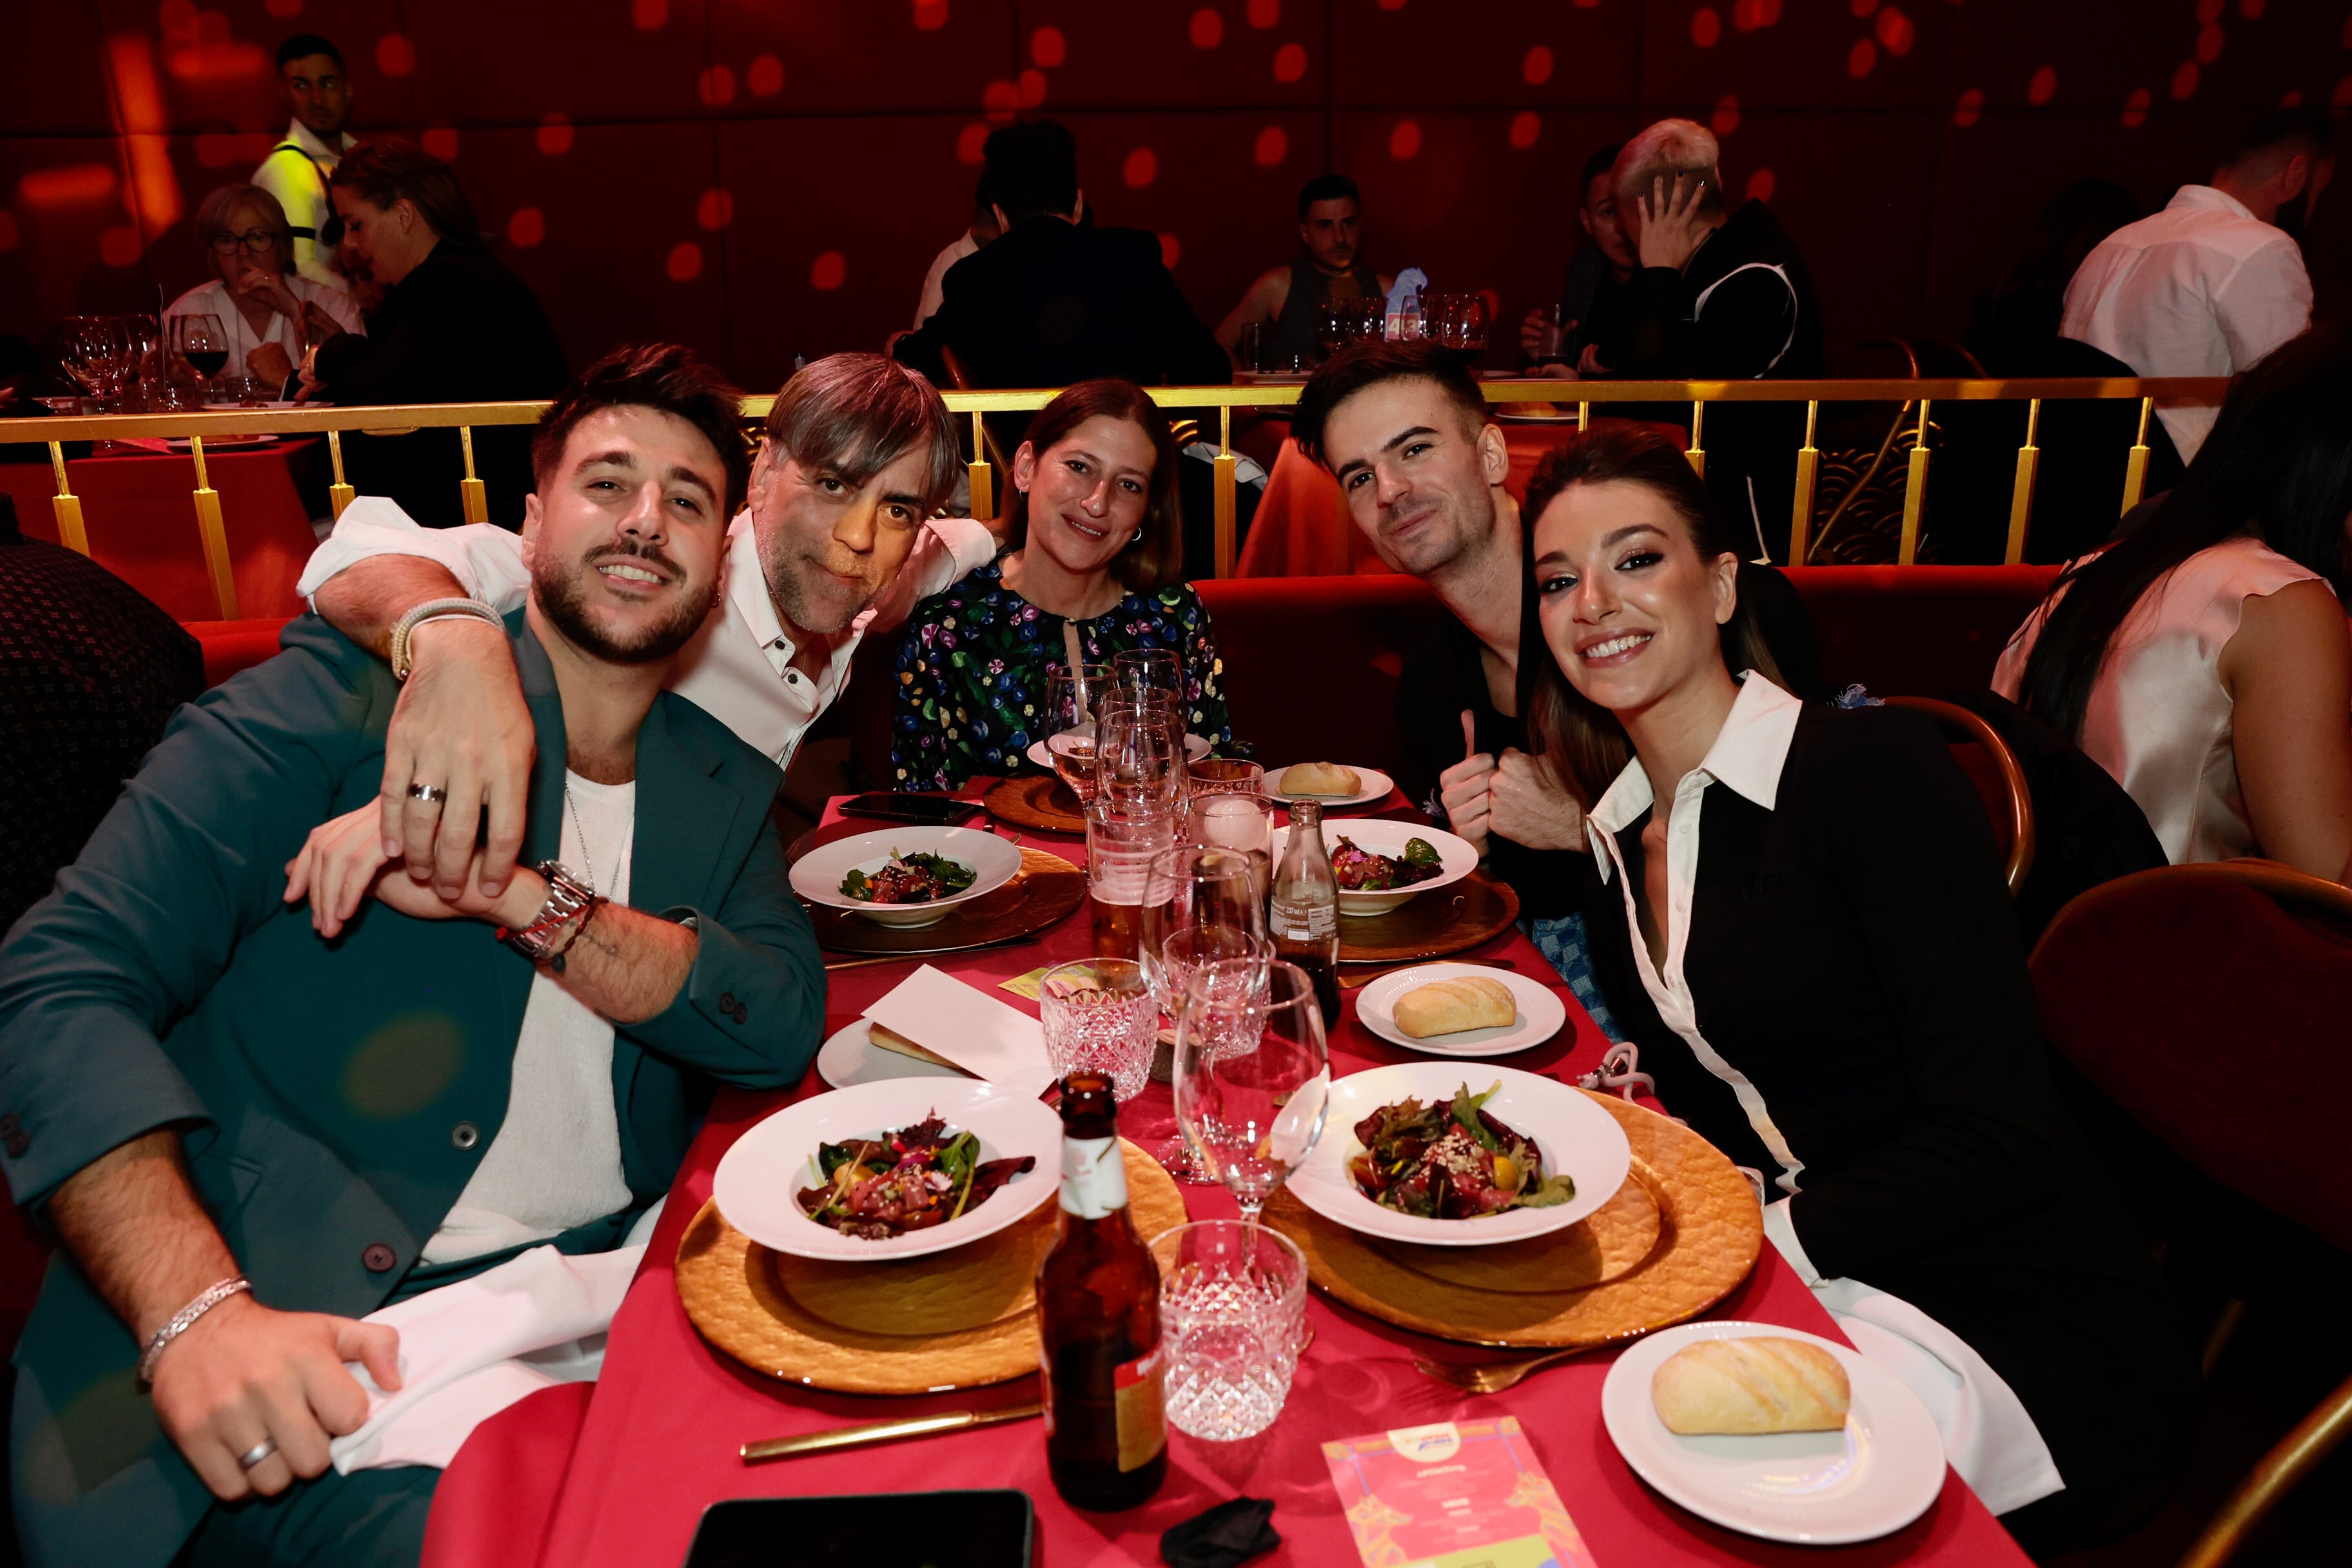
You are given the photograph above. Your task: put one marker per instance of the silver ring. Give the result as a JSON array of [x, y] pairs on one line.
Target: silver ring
[[258, 1453], [431, 795]]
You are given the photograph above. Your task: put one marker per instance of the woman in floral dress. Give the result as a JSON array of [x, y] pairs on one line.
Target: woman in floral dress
[[1095, 541]]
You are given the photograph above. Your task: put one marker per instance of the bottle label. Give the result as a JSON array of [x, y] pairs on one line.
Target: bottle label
[[1141, 1402], [1094, 1177], [1303, 922]]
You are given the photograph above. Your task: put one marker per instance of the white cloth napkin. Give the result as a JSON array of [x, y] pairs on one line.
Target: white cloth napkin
[[469, 1350], [987, 1039]]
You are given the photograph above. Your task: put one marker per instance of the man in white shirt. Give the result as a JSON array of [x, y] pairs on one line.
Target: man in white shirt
[[857, 454], [2215, 280], [984, 228], [311, 80]]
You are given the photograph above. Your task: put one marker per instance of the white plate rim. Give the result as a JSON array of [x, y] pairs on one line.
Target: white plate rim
[[1535, 1000], [1334, 801], [826, 891], [1195, 748], [955, 1099], [853, 1042], [1453, 850], [1625, 1397], [1322, 1184]]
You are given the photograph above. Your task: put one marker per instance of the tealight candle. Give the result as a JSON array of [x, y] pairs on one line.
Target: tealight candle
[[1231, 821]]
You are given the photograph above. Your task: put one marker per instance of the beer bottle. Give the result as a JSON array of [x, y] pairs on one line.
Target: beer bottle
[[1098, 1321], [1303, 916]]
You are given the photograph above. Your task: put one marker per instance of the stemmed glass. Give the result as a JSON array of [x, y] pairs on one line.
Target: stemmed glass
[[1141, 669], [1074, 697], [1253, 1074], [198, 339], [1139, 751], [1201, 904]]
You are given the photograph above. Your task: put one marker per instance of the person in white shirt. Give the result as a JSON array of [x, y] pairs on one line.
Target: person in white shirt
[[858, 453], [268, 313], [2216, 280], [984, 228], [311, 80]]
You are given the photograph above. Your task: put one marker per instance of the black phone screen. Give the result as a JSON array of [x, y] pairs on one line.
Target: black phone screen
[[897, 1529]]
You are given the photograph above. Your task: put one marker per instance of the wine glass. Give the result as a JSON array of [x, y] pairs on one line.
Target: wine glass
[[1073, 702], [1253, 1074], [198, 339], [1139, 752], [1142, 669]]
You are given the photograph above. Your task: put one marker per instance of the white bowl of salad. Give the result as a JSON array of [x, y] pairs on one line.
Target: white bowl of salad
[[1381, 865], [906, 876]]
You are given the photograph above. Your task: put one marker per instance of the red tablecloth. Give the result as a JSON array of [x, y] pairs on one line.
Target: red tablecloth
[[139, 513], [658, 1441]]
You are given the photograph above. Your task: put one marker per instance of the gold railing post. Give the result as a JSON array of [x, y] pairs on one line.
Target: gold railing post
[[1583, 416], [2021, 499], [66, 505], [1698, 453], [1915, 495], [2135, 470], [215, 536], [339, 494], [1227, 508], [983, 503], [472, 491], [1800, 510]]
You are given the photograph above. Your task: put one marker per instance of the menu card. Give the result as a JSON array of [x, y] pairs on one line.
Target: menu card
[[969, 1029], [1460, 1494]]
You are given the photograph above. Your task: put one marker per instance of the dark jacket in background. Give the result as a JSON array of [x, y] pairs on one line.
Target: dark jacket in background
[[460, 328]]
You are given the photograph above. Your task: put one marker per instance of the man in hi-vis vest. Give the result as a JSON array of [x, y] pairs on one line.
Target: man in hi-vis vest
[[311, 80]]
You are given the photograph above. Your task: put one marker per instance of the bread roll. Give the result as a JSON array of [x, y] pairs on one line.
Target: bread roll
[[1450, 1006], [1748, 1386], [1321, 778]]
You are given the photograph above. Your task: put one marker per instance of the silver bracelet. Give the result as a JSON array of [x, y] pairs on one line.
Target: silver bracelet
[[404, 628], [184, 1319]]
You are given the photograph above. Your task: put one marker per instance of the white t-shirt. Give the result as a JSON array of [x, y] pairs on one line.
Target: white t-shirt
[[935, 281], [556, 1161]]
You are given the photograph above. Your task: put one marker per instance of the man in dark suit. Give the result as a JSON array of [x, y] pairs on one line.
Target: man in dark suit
[[247, 1137], [1055, 300]]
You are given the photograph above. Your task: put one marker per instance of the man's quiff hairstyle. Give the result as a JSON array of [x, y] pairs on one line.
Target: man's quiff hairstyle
[[1367, 365], [1671, 147], [853, 415], [664, 376]]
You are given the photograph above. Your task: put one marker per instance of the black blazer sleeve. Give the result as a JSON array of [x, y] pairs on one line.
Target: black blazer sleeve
[[1745, 326]]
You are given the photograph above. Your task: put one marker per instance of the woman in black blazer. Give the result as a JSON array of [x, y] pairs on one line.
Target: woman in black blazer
[[1832, 989]]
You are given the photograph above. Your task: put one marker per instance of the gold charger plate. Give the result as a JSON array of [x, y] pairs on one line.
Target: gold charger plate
[[953, 1320], [1648, 1259], [1449, 919], [1046, 888], [1041, 801]]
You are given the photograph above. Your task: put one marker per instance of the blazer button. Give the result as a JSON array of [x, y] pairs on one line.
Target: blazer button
[[465, 1135], [727, 1001], [741, 1012], [377, 1257]]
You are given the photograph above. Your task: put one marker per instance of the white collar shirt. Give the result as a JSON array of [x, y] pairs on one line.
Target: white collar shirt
[[213, 299], [2203, 287]]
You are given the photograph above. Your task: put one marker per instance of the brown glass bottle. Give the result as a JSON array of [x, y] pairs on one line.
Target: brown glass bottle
[[1098, 1321]]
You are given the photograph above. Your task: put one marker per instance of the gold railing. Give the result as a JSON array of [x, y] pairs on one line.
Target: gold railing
[[1585, 395]]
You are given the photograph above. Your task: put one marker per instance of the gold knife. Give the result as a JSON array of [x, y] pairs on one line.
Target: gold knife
[[871, 1432]]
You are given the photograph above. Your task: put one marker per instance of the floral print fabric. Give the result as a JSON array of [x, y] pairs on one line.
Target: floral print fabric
[[972, 671]]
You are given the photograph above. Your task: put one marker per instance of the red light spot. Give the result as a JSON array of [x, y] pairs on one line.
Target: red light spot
[[2184, 82], [1172, 251], [2291, 98], [766, 77], [2345, 37], [999, 99], [1746, 16], [1967, 108], [1761, 185], [1265, 13], [1047, 47], [64, 186], [1031, 89], [1290, 63], [716, 210], [1392, 4], [121, 246], [1726, 118], [828, 271], [1208, 29], [1536, 69], [555, 136], [971, 143], [717, 86], [649, 15], [2252, 10], [2135, 104], [526, 229], [282, 8], [441, 140], [9, 234], [394, 55], [1404, 141], [1861, 58], [1706, 26], [1865, 8], [2209, 45], [685, 262], [178, 20], [2043, 87], [1526, 126], [2342, 97], [2209, 12], [1142, 167], [931, 16], [1272, 145], [1896, 33], [1588, 4]]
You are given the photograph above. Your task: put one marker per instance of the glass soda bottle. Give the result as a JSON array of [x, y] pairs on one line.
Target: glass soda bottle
[[1303, 916], [1098, 1321]]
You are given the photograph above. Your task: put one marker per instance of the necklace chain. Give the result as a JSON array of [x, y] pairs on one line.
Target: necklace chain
[[586, 864]]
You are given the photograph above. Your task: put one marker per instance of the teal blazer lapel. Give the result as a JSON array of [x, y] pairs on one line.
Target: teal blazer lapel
[[543, 829], [687, 817]]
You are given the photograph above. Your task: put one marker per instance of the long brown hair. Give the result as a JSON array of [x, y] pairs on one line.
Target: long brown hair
[[1583, 743], [1155, 558]]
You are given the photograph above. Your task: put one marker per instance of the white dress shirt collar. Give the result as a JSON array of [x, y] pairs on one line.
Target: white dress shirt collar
[[1748, 756], [2208, 198]]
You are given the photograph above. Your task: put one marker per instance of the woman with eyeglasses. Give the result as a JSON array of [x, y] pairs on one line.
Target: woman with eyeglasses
[[268, 313]]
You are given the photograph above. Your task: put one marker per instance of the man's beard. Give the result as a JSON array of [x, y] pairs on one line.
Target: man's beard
[[562, 597], [808, 612]]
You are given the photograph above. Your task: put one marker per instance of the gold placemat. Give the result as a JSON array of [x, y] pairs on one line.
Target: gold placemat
[[1709, 1232], [1041, 801], [1042, 891], [960, 1319], [1448, 919]]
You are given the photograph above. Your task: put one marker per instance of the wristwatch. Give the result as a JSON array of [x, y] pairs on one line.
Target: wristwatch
[[405, 627], [567, 897]]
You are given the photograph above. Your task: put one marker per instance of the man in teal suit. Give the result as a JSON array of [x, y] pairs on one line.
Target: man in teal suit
[[251, 1122]]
